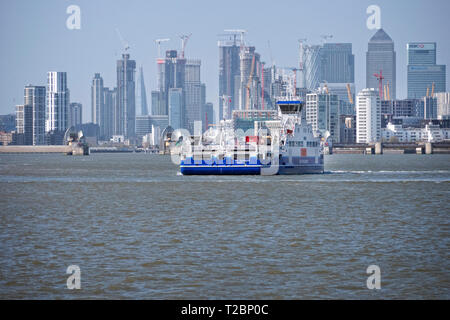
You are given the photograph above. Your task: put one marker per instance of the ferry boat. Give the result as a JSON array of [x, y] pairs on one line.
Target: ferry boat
[[283, 145]]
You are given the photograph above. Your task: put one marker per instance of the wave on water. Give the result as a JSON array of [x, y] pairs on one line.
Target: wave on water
[[389, 172]]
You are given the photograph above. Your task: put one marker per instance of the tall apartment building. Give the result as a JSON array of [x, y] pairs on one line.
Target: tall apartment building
[[98, 103], [34, 96], [24, 124], [157, 105], [443, 105], [381, 56], [174, 76], [142, 93], [125, 113], [423, 72], [322, 112], [229, 76], [250, 88], [175, 108], [57, 113], [368, 116], [430, 108], [75, 114], [109, 109], [193, 96]]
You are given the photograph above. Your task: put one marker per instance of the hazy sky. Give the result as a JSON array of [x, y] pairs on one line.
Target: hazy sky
[[35, 39]]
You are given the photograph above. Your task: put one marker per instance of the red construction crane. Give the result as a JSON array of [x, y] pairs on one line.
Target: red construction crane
[[380, 83]]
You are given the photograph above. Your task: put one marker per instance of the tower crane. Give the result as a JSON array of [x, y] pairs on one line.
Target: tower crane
[[349, 93], [250, 78], [380, 83], [325, 86], [242, 32], [158, 43], [325, 37], [184, 40], [262, 84], [388, 91], [125, 44]]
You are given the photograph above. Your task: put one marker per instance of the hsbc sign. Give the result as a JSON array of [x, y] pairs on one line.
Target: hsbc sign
[[422, 46]]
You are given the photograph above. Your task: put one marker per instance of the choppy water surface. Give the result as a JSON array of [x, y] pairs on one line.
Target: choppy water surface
[[137, 229]]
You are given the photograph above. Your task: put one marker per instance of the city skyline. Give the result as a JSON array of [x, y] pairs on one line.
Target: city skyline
[[82, 61]]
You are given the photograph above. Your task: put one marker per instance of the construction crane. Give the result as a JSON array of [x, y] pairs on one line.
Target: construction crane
[[158, 43], [294, 85], [325, 37], [242, 32], [184, 40], [125, 44], [250, 78], [380, 83], [270, 52], [262, 84], [325, 86], [388, 97], [349, 93]]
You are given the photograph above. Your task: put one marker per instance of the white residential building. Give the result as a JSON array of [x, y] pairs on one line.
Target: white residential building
[[57, 102], [368, 116], [443, 105], [322, 112], [431, 133]]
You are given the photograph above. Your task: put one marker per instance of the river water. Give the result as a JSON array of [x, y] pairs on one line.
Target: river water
[[138, 229]]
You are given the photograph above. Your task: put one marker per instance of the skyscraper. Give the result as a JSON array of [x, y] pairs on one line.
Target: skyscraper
[[423, 72], [157, 105], [97, 103], [312, 68], [24, 124], [322, 112], [337, 63], [125, 116], [75, 114], [174, 76], [176, 108], [142, 94], [110, 102], [57, 102], [368, 116], [193, 94], [34, 96], [443, 105], [250, 86], [229, 75], [381, 56]]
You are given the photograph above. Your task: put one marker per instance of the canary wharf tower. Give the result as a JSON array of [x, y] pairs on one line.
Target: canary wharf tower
[[381, 56]]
